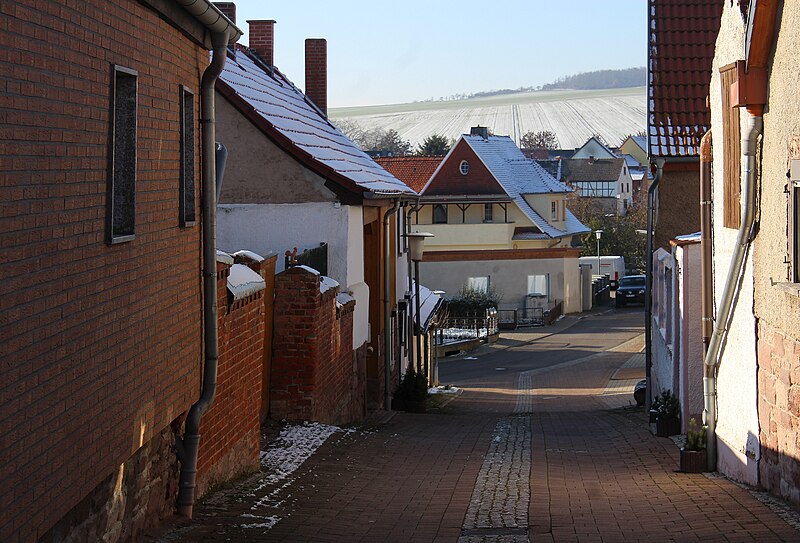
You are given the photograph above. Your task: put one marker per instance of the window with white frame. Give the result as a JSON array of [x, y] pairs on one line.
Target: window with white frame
[[487, 212], [539, 285], [478, 283], [554, 211]]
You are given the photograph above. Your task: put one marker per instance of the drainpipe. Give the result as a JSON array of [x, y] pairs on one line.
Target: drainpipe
[[648, 299], [706, 270], [732, 283], [387, 306], [188, 445]]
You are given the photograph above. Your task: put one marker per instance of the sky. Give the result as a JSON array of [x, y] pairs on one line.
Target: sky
[[396, 52]]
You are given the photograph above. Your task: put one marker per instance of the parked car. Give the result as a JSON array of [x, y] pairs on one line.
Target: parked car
[[631, 289]]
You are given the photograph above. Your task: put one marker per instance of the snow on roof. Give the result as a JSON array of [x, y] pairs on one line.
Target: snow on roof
[[249, 255], [326, 283], [519, 176], [429, 302], [224, 258], [243, 282], [304, 132], [309, 269], [641, 141], [344, 298]]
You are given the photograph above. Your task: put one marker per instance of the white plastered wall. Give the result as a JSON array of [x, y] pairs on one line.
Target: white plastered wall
[[737, 402], [276, 228]]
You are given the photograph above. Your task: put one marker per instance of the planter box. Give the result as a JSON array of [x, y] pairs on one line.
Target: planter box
[[693, 461], [668, 427]]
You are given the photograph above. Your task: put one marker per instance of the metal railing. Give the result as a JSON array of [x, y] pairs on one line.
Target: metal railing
[[457, 329]]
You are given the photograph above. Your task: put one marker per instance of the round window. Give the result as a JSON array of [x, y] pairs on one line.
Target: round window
[[464, 167]]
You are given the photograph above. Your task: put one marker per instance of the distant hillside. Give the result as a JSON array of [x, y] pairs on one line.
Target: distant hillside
[[601, 79], [596, 80], [573, 115]]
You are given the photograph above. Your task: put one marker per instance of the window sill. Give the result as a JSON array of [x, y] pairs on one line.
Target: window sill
[[792, 289]]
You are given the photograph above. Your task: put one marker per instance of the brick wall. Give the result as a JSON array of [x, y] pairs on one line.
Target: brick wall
[[315, 373], [229, 443], [779, 412], [101, 345]]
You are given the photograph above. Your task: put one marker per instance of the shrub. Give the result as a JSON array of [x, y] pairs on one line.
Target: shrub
[[473, 302]]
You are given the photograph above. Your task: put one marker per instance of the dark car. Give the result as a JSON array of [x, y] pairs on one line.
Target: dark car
[[631, 289]]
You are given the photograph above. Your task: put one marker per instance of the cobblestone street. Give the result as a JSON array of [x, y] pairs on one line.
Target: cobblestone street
[[552, 453]]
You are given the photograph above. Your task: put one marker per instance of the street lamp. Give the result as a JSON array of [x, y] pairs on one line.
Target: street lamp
[[598, 234], [417, 247]]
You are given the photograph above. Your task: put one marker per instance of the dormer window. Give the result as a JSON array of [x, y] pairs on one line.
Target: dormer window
[[463, 167]]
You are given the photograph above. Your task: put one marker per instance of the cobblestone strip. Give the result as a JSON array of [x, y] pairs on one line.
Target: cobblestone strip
[[498, 509]]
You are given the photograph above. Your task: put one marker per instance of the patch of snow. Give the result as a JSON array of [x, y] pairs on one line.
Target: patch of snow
[[444, 389], [326, 283], [344, 298], [309, 269], [294, 445], [470, 358], [242, 282], [270, 522], [224, 258], [250, 255]]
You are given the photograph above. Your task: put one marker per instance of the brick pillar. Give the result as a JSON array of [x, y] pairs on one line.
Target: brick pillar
[[262, 39], [228, 9], [317, 72]]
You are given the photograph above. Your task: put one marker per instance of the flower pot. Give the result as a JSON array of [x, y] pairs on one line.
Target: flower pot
[[415, 406], [693, 461], [668, 427]]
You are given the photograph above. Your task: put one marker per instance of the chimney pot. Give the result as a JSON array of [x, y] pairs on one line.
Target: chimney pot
[[317, 72], [262, 39]]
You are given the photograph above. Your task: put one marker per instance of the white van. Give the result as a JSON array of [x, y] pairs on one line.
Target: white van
[[613, 266]]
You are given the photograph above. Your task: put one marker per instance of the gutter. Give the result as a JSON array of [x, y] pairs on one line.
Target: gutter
[[732, 282], [648, 298], [189, 444], [706, 232], [387, 306]]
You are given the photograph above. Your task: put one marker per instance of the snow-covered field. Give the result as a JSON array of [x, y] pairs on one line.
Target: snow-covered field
[[574, 116]]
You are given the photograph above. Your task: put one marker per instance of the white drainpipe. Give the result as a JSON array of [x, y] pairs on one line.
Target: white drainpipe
[[732, 284]]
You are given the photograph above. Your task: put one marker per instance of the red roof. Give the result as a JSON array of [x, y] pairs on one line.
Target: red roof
[[681, 50], [414, 171]]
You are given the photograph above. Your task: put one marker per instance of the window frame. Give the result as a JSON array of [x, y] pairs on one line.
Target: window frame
[[488, 213], [188, 182], [122, 180], [546, 279], [437, 219], [463, 167]]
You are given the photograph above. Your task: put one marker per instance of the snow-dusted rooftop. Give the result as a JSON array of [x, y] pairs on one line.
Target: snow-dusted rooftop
[[519, 176], [242, 282], [279, 108]]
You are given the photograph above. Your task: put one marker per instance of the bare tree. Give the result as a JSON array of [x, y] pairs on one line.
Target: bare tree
[[544, 139]]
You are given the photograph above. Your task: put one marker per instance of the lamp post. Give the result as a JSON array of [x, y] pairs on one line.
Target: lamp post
[[598, 234], [417, 242]]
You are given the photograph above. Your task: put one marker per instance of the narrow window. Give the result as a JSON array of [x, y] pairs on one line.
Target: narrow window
[[188, 210], [731, 150], [553, 211], [795, 180], [439, 214], [487, 212], [563, 210], [122, 182]]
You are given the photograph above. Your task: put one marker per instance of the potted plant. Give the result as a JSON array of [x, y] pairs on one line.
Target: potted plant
[[668, 414], [693, 454], [412, 392]]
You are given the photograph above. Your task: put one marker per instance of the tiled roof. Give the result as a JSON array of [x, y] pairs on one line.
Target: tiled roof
[[551, 166], [682, 36], [281, 110], [581, 169], [414, 171], [519, 176]]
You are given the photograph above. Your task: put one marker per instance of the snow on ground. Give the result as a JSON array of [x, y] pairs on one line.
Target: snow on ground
[[294, 445], [444, 389]]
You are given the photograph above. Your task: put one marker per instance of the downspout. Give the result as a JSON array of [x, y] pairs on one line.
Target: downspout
[[387, 306], [648, 299], [706, 269], [188, 446], [732, 283]]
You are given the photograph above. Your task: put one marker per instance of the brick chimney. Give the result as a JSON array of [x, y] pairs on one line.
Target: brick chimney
[[228, 9], [262, 39], [317, 72]]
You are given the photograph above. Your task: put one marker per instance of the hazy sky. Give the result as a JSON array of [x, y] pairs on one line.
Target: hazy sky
[[392, 52]]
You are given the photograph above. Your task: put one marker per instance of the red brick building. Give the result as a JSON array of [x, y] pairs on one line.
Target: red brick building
[[100, 254]]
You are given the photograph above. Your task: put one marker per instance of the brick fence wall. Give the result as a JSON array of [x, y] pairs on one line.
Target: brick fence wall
[[229, 443], [779, 412], [100, 344], [315, 373]]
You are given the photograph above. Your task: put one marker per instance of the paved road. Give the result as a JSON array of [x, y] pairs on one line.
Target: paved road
[[534, 450]]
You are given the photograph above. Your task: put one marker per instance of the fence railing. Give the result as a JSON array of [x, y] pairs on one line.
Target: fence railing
[[509, 319], [466, 328]]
